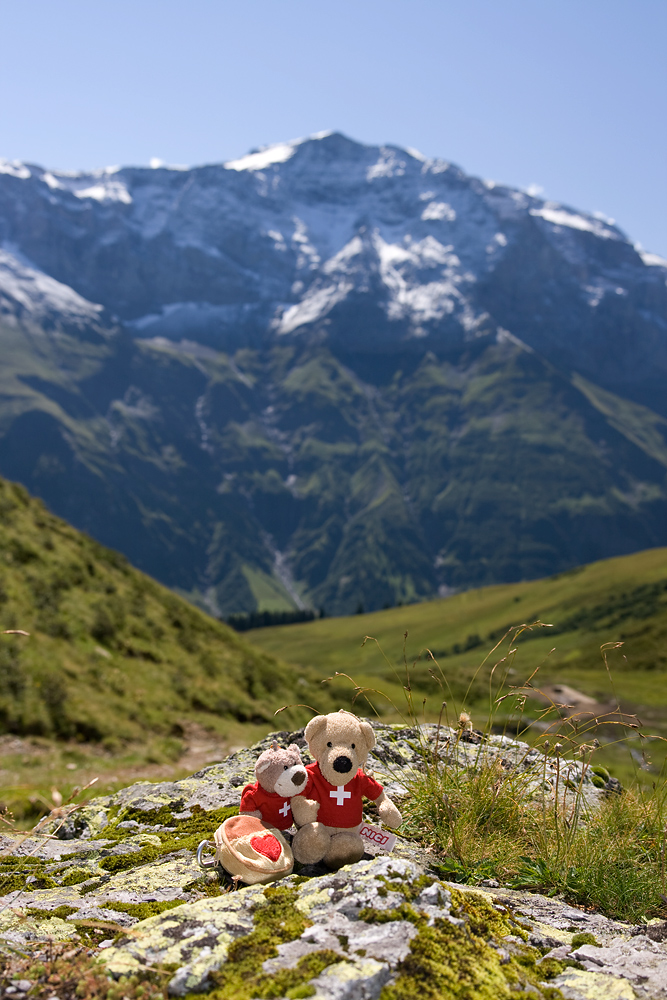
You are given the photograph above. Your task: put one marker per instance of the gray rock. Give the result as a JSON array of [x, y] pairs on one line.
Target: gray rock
[[362, 979], [196, 935], [640, 961]]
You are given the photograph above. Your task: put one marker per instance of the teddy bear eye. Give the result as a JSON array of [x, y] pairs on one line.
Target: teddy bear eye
[[352, 745], [329, 744], [286, 768]]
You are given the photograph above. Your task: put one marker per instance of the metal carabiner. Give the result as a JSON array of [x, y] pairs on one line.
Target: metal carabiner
[[205, 864]]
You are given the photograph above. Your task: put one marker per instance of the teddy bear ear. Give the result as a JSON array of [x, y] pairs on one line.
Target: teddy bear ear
[[315, 727], [367, 734], [294, 748]]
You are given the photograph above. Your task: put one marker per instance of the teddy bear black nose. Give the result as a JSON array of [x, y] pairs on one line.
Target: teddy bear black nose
[[298, 778], [342, 765]]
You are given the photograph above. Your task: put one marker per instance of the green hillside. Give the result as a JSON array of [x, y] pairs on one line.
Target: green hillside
[[264, 479], [113, 656], [616, 600]]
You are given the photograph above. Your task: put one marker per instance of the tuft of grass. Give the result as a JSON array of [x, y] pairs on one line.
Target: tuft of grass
[[71, 973], [611, 859], [529, 828]]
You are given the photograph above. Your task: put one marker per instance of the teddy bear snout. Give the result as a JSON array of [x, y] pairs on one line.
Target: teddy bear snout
[[298, 777], [342, 764]]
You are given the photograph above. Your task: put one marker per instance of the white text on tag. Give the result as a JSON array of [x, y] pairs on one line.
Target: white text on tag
[[380, 838]]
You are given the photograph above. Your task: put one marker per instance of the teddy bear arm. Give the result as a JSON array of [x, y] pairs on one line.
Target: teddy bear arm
[[388, 812], [304, 810], [248, 812]]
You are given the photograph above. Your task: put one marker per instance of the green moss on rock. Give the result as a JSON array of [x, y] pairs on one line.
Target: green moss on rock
[[450, 962], [122, 862], [277, 921], [584, 938], [74, 876], [445, 962], [60, 911], [15, 870], [149, 909]]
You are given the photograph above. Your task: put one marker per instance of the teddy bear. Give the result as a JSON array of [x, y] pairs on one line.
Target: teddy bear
[[280, 775], [328, 810]]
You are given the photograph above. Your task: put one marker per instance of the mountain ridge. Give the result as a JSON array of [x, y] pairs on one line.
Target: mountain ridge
[[330, 374], [327, 214]]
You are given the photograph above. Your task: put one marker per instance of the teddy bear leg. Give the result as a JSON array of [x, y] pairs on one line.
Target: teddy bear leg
[[310, 843], [345, 848]]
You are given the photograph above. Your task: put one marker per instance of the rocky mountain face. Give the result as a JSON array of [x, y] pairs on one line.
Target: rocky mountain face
[[330, 374]]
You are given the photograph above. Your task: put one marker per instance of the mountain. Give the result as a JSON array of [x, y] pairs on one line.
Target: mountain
[[330, 374], [111, 655]]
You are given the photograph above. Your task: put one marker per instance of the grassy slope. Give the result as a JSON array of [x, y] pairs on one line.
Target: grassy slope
[[622, 599], [112, 654]]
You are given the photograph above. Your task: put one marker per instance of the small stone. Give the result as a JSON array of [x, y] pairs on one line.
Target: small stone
[[559, 953], [106, 943]]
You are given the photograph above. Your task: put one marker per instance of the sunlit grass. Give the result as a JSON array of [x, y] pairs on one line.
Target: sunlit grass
[[551, 819]]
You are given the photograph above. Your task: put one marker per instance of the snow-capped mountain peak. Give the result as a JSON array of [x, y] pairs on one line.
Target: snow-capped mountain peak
[[324, 230]]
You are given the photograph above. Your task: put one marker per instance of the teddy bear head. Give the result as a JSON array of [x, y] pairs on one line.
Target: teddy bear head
[[281, 770], [340, 743]]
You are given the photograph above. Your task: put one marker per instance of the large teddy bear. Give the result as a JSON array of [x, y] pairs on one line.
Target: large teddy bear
[[328, 810]]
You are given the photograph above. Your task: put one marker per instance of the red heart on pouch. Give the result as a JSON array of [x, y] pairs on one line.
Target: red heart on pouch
[[266, 845]]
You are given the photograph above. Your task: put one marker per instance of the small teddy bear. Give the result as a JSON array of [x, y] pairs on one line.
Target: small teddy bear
[[328, 811], [280, 775]]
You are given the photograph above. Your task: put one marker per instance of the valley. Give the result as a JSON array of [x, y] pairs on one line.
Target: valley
[[329, 375]]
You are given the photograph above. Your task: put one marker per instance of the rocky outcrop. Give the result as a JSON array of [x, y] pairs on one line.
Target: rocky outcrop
[[121, 875]]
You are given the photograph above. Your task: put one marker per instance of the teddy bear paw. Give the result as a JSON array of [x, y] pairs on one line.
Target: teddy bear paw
[[389, 814], [310, 843], [344, 849]]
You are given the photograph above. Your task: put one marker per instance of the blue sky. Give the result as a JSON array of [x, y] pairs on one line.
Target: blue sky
[[570, 96]]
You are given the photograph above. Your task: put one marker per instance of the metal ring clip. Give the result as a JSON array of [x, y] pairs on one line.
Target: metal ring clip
[[201, 861]]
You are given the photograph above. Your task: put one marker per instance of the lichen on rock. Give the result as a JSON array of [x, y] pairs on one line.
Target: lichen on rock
[[384, 928]]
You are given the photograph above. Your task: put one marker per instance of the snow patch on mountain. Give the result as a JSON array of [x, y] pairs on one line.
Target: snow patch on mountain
[[558, 216], [15, 169], [437, 210], [279, 153], [27, 291], [109, 191], [652, 259], [313, 307], [410, 297], [101, 185], [389, 164]]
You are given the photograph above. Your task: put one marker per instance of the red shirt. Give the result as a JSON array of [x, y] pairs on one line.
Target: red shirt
[[275, 809], [340, 805]]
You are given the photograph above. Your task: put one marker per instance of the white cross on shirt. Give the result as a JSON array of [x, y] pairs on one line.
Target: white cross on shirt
[[340, 795], [284, 809]]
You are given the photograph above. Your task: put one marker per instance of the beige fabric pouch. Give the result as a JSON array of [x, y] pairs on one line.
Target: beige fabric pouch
[[236, 842]]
